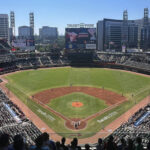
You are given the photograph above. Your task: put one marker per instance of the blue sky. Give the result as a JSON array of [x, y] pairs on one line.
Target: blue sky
[[59, 13]]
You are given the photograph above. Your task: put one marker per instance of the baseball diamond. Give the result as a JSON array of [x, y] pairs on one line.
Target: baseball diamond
[[77, 98]]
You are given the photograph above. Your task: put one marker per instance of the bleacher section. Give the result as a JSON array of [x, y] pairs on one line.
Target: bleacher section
[[131, 130], [13, 121]]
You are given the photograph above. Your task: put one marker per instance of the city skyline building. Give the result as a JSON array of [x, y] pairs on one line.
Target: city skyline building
[[134, 33], [47, 33], [31, 16], [4, 27], [25, 32], [145, 31]]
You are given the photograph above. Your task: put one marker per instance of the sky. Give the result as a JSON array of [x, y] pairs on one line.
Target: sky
[[59, 13]]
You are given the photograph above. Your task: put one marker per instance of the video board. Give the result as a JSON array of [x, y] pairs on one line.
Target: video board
[[80, 38]]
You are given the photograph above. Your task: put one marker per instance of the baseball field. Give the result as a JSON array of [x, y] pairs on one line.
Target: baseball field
[[78, 101]]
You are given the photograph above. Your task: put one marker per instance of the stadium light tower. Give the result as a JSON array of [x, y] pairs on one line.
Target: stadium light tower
[[12, 22], [146, 16], [125, 30], [31, 15]]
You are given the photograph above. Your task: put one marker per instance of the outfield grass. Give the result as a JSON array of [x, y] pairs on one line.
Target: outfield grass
[[34, 81], [91, 105], [26, 83]]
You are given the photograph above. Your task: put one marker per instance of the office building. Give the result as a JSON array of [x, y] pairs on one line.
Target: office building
[[25, 32], [145, 31], [4, 27], [109, 34], [47, 34], [115, 34]]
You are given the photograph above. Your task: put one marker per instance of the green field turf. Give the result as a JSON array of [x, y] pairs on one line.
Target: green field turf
[[91, 105], [26, 83]]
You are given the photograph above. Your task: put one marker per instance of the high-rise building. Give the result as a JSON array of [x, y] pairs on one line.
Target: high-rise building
[[4, 26], [48, 33], [24, 32], [109, 34], [12, 22], [31, 15], [117, 34], [133, 31], [125, 29], [145, 31]]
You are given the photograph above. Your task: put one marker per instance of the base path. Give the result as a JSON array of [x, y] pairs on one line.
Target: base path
[[109, 97]]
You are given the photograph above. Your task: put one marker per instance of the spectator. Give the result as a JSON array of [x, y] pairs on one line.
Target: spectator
[[63, 146], [148, 145], [87, 147], [139, 145], [111, 145], [40, 145], [18, 143], [75, 141], [130, 145], [100, 146], [58, 147], [45, 139], [72, 146], [49, 142], [122, 146], [4, 141]]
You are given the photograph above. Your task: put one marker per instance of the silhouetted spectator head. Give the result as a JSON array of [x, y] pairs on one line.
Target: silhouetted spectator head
[[139, 140], [45, 138], [57, 145], [111, 138], [72, 143], [39, 141], [18, 142], [100, 141], [123, 141], [130, 145], [4, 140], [75, 140], [87, 146], [63, 140], [130, 142], [148, 145]]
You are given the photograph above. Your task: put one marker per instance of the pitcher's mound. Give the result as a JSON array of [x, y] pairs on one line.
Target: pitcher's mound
[[77, 104]]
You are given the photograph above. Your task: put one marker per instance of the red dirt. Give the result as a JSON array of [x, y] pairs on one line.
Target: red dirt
[[109, 97], [77, 104]]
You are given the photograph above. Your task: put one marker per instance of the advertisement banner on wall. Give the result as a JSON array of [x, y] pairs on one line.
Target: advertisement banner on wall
[[90, 46]]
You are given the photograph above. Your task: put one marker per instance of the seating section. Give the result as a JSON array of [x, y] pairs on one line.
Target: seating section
[[141, 61], [130, 129], [13, 121]]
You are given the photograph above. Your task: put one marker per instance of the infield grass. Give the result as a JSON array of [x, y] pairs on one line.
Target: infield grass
[[91, 105]]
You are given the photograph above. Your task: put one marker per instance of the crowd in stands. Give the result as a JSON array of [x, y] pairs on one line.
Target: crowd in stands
[[43, 142], [4, 47], [137, 125], [141, 61], [28, 60], [13, 121]]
